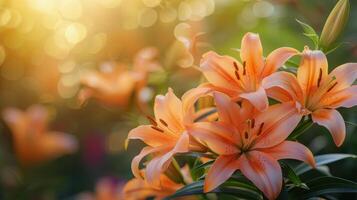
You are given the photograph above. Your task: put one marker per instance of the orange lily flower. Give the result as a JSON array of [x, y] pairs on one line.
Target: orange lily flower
[[316, 92], [167, 134], [243, 81], [140, 189], [33, 142], [251, 144], [115, 83]]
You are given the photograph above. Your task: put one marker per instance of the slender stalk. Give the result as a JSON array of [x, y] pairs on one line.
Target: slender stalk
[[302, 128]]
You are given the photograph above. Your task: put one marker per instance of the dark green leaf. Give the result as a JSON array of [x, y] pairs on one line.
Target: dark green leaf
[[196, 174], [322, 160], [202, 166], [292, 176], [329, 185], [238, 189]]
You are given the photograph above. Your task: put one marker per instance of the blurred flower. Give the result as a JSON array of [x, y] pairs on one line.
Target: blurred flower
[[33, 142], [335, 24], [140, 189], [115, 83], [94, 150], [106, 189], [243, 81], [316, 92], [113, 86], [167, 135], [187, 36], [251, 143]]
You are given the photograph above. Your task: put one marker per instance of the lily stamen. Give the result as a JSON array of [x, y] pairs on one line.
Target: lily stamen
[[260, 129], [332, 87], [157, 129], [319, 79], [244, 66], [152, 120], [235, 66], [253, 123], [163, 122], [237, 75], [246, 135]]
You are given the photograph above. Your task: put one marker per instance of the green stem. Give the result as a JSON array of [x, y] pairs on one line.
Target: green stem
[[174, 172], [302, 128], [351, 123]]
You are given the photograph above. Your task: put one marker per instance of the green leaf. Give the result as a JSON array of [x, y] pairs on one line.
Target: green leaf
[[196, 174], [202, 166], [329, 185], [322, 160], [292, 176], [236, 188], [310, 33]]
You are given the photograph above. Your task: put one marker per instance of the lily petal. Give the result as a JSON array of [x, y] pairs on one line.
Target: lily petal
[[258, 99], [345, 75], [137, 159], [264, 171], [54, 144], [169, 109], [228, 111], [220, 171], [344, 98], [277, 58], [291, 150], [333, 121], [220, 71], [189, 99], [160, 163], [312, 71], [218, 137], [279, 121], [16, 120], [252, 53], [285, 81], [150, 136], [38, 117]]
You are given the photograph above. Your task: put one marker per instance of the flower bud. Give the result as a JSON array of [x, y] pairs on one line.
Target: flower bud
[[335, 24]]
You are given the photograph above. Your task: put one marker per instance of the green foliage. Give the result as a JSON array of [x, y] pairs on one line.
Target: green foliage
[[329, 185], [322, 160], [234, 187], [294, 187], [310, 33], [302, 127], [292, 177]]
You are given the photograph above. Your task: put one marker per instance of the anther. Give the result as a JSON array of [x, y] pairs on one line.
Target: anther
[[332, 87], [319, 79], [152, 121], [253, 123], [244, 70], [260, 128], [157, 129], [246, 135], [235, 66], [163, 122], [237, 75]]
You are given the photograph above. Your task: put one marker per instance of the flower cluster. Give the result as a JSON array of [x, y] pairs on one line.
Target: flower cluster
[[246, 132]]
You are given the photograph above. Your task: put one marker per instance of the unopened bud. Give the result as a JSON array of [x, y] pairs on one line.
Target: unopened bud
[[335, 24]]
